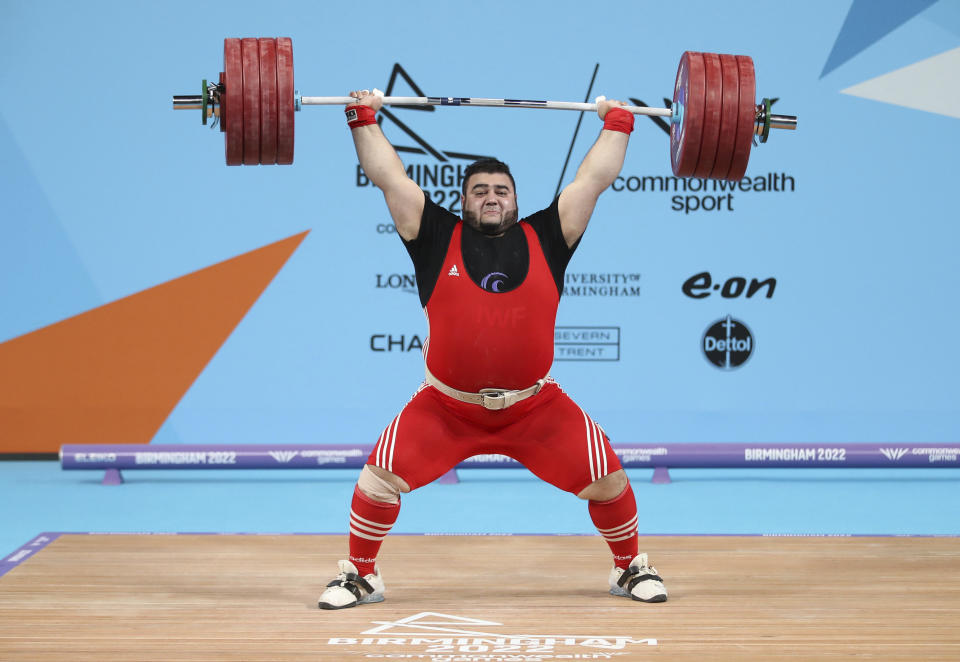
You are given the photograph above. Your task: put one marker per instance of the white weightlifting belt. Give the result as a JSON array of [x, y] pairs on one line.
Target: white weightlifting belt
[[488, 398]]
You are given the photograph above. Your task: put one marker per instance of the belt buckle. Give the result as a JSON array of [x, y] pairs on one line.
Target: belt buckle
[[491, 398]]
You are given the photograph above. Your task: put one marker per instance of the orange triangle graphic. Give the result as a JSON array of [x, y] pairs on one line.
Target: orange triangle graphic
[[113, 374]]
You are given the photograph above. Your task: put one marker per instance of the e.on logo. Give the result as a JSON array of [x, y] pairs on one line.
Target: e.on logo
[[701, 285]]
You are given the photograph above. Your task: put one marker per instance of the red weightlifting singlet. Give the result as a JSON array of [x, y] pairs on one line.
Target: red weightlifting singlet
[[479, 339]]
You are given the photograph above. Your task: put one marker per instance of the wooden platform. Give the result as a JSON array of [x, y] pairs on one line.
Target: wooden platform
[[482, 599]]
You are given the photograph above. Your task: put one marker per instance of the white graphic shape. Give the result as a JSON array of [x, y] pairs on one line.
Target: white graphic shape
[[283, 456], [435, 624], [422, 621], [929, 85], [894, 454]]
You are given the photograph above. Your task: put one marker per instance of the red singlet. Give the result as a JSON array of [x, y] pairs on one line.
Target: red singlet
[[479, 339]]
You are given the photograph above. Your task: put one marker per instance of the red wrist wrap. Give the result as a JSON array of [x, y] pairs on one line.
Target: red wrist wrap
[[618, 119], [358, 115]]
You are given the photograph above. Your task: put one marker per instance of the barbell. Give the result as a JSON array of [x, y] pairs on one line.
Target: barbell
[[714, 117]]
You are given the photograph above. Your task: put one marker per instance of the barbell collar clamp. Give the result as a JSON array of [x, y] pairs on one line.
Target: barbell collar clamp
[[766, 120], [208, 102]]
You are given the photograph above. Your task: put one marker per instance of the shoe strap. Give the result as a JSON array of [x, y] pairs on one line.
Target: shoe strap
[[353, 583], [631, 577]]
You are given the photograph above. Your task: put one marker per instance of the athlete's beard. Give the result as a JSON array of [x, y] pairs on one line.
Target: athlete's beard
[[473, 220]]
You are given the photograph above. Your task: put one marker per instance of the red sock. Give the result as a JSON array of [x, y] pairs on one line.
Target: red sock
[[616, 520], [370, 522]]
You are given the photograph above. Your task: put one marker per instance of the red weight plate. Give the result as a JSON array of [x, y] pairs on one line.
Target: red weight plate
[[250, 53], [268, 101], [231, 101], [713, 102], [688, 93], [746, 120], [284, 101], [729, 112]]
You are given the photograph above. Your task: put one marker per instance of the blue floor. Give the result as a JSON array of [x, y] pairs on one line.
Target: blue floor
[[39, 496]]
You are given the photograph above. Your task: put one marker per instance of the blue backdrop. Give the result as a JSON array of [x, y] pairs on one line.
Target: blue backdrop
[[105, 192]]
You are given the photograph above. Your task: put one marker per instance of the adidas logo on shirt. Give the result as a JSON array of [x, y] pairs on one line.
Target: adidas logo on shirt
[[453, 271]]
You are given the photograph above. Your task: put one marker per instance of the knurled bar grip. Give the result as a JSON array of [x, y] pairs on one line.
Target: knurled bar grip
[[489, 103]]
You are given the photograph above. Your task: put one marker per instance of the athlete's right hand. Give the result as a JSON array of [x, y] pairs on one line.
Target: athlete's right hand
[[604, 105], [373, 99]]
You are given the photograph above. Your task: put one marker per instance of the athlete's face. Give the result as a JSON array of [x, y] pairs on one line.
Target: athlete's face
[[490, 204]]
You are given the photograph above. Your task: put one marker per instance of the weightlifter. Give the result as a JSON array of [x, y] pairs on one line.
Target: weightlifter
[[490, 285]]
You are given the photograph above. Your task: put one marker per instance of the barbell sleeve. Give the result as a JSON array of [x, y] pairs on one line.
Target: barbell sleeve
[[788, 122], [187, 102]]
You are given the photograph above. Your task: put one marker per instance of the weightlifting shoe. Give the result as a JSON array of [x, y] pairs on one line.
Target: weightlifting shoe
[[349, 589], [639, 581]]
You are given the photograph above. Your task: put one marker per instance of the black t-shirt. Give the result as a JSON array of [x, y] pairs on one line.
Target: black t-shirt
[[496, 264]]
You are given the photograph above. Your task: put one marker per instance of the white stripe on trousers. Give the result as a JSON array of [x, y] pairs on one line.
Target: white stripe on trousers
[[600, 451], [595, 450], [386, 444]]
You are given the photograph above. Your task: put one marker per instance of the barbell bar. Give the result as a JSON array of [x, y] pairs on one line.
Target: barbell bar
[[714, 117]]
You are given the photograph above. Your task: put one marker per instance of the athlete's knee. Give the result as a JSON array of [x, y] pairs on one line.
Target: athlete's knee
[[381, 485], [609, 487]]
